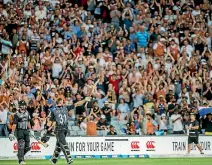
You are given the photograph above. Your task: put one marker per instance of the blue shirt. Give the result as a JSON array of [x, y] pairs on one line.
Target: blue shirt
[[132, 37], [30, 96], [138, 100], [33, 90], [75, 29], [124, 108], [68, 35], [142, 38], [101, 102], [137, 124], [129, 48], [50, 101]]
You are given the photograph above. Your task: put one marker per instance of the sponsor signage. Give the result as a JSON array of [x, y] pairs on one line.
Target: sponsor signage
[[135, 146], [35, 147], [182, 145], [150, 145], [91, 146], [113, 146]]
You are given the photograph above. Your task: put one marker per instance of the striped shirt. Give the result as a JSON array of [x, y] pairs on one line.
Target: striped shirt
[[142, 38]]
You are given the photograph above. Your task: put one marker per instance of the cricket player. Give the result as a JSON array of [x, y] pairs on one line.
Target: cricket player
[[22, 126], [59, 117], [193, 133]]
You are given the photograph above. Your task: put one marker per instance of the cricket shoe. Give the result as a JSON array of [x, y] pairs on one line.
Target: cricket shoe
[[22, 162], [70, 161], [52, 162]]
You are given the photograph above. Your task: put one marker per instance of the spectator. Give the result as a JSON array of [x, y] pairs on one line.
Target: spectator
[[36, 121], [115, 82], [142, 37], [160, 48], [43, 120], [91, 126], [112, 131], [83, 124], [3, 120], [123, 110], [163, 124], [137, 118], [107, 111], [56, 67], [208, 129], [12, 111], [185, 121], [150, 125], [111, 97], [131, 130], [177, 123], [161, 105], [148, 53], [102, 124], [95, 110]]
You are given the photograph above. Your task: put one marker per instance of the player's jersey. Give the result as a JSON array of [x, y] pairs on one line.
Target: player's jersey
[[193, 133], [60, 116], [21, 119]]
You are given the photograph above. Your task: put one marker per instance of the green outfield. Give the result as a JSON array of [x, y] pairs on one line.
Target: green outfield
[[141, 161]]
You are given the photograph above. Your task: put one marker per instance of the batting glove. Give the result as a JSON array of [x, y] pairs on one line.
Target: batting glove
[[11, 136]]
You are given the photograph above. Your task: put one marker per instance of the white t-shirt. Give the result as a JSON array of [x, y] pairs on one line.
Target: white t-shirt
[[3, 117], [177, 125], [40, 14], [163, 125], [56, 69], [189, 50]]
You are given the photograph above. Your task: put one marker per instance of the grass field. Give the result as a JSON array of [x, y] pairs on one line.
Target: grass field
[[141, 161]]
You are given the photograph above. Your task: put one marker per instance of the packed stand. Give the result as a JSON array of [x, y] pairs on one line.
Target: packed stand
[[147, 64]]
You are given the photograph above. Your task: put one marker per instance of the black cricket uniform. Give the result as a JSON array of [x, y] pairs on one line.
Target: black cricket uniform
[[21, 120], [60, 116], [193, 134]]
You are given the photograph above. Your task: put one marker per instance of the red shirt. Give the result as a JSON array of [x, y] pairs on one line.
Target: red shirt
[[115, 83], [78, 51]]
